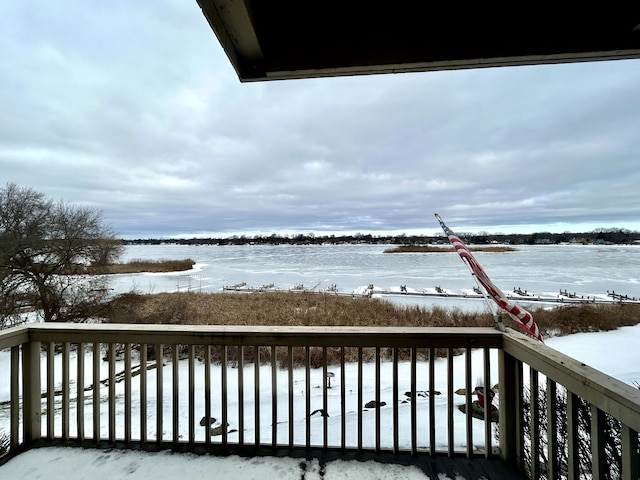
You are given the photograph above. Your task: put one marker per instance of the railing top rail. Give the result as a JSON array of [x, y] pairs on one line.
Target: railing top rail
[[609, 394], [419, 337], [11, 337]]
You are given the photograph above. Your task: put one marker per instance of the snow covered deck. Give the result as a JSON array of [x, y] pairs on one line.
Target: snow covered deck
[[327, 393]]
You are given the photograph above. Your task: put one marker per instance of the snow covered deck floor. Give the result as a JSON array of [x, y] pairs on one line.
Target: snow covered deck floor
[[69, 463]]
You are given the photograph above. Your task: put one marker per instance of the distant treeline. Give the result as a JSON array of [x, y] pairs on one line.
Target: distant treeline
[[600, 236]]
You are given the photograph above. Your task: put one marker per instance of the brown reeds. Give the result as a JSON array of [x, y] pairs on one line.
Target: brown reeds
[[567, 320], [282, 309], [313, 309]]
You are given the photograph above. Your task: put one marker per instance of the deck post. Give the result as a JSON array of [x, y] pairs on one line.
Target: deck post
[[31, 392], [508, 411], [15, 396]]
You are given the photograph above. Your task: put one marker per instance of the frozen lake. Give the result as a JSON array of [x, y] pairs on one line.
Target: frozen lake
[[542, 269]]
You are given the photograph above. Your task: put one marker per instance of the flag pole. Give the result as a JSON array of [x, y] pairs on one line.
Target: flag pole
[[497, 318], [523, 318]]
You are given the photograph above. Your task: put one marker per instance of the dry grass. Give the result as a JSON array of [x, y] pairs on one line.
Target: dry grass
[[280, 308], [312, 309], [432, 249], [283, 309], [139, 266], [585, 318]]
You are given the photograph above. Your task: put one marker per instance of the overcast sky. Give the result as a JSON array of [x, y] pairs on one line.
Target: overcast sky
[[134, 109]]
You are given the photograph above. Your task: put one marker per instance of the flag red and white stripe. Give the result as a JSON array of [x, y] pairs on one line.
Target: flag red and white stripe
[[523, 318]]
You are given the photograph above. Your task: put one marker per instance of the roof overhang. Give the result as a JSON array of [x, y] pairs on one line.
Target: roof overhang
[[272, 40]]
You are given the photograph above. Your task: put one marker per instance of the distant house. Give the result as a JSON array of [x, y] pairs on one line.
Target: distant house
[[582, 240]]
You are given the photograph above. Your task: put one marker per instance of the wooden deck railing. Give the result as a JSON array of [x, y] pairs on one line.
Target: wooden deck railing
[[583, 422], [256, 390]]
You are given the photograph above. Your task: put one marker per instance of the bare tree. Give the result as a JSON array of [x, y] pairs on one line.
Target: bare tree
[[45, 250]]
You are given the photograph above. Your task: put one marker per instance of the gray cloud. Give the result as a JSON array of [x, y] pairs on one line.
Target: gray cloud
[[134, 109]]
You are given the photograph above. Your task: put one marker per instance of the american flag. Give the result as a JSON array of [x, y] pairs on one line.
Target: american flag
[[523, 318]]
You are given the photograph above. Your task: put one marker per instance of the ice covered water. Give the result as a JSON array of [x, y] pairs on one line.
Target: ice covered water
[[585, 270]]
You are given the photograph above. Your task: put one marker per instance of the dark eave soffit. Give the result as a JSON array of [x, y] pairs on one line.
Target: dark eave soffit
[[273, 40]]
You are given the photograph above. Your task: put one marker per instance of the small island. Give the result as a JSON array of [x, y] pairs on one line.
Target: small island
[[142, 266]]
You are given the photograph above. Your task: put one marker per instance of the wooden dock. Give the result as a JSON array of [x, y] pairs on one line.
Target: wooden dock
[[517, 295]]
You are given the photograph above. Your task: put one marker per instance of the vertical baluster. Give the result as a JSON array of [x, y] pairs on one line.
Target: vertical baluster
[[274, 398], [127, 392], [450, 393], [143, 393], [175, 393], [207, 394], [432, 403], [224, 361], [414, 399], [192, 395], [241, 395], [51, 387], [290, 378], [112, 391], [159, 391], [630, 458], [360, 399], [573, 439], [256, 395], [343, 404], [535, 424], [552, 426], [394, 375], [488, 396], [325, 407], [598, 455], [518, 402], [307, 365], [80, 392], [224, 383], [377, 413], [96, 392], [469, 417], [65, 391]]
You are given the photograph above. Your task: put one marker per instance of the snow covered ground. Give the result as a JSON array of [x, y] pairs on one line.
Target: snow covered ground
[[614, 353]]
